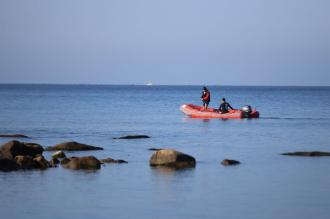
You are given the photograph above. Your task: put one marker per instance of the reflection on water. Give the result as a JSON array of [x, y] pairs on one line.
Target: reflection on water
[[171, 171]]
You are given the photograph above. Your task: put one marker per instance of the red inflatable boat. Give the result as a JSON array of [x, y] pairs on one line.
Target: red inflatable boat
[[194, 111]]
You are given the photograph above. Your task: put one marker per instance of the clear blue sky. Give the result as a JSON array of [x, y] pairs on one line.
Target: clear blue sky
[[223, 42]]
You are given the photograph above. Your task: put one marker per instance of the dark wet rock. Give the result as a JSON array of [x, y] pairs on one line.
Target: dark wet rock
[[65, 161], [12, 149], [133, 137], [13, 136], [228, 162], [54, 162], [40, 162], [24, 162], [8, 165], [88, 163], [308, 153], [110, 160], [58, 154], [72, 146], [172, 158], [155, 149]]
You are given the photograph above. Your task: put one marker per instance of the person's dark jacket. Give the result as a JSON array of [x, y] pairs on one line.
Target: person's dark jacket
[[224, 107]]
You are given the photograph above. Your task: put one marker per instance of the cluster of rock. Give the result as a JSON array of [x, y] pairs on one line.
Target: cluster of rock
[[15, 155]]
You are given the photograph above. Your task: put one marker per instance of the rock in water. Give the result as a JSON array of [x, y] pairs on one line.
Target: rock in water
[[53, 162], [65, 161], [58, 154], [228, 162], [154, 149], [40, 162], [24, 162], [172, 158], [13, 136], [72, 146], [13, 148], [8, 164], [88, 163], [308, 153], [110, 160], [133, 137]]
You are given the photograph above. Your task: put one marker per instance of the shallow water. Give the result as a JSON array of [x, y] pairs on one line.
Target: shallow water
[[265, 185]]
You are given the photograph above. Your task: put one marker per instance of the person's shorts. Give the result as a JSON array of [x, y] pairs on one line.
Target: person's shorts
[[206, 102]]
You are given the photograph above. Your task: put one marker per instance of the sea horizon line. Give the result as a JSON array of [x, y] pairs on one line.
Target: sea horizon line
[[168, 85]]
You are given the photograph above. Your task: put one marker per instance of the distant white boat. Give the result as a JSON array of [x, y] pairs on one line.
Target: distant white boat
[[149, 83]]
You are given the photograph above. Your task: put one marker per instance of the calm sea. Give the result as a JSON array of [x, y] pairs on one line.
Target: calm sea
[[265, 185]]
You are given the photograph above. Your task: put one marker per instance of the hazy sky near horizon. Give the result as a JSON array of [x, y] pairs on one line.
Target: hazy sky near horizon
[[217, 42]]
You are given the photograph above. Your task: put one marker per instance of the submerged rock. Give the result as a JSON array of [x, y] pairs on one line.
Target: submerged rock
[[58, 154], [73, 146], [110, 160], [155, 149], [228, 162], [308, 153], [133, 137], [77, 163], [12, 149], [171, 158], [13, 136]]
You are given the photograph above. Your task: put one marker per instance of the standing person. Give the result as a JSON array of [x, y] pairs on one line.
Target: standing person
[[224, 106], [206, 98]]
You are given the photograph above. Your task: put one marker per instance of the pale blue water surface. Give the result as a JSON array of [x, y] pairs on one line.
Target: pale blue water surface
[[265, 185]]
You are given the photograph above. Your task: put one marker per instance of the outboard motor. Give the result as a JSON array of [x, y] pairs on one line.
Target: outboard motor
[[246, 111]]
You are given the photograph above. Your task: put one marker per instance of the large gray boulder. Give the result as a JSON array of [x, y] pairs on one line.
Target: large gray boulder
[[72, 146], [171, 158], [77, 163], [12, 149]]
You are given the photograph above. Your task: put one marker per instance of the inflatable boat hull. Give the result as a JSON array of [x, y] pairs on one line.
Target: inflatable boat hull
[[195, 111]]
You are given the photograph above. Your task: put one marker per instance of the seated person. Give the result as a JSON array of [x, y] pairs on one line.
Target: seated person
[[223, 108]]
